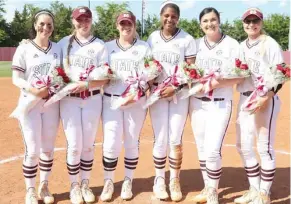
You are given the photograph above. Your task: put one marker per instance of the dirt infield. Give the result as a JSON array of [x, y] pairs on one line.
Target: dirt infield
[[233, 182]]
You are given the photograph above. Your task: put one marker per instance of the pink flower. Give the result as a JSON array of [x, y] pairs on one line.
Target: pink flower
[[194, 74], [244, 67], [237, 62]]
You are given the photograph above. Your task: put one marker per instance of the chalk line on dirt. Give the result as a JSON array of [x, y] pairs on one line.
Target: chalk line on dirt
[[14, 158]]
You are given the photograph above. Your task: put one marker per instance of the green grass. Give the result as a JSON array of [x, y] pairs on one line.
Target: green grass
[[5, 69]]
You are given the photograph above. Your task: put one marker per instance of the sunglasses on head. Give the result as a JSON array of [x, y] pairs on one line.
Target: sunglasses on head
[[254, 21]]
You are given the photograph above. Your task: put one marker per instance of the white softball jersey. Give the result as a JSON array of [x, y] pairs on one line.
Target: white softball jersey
[[171, 52], [219, 56], [83, 55], [34, 61], [125, 62], [259, 56]]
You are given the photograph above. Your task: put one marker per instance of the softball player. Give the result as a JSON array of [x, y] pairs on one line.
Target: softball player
[[171, 46], [259, 52], [126, 57], [80, 117], [210, 114], [39, 127]]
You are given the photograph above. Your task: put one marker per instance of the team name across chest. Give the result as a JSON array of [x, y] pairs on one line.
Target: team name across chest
[[41, 69], [209, 63], [124, 64], [167, 56], [81, 61]]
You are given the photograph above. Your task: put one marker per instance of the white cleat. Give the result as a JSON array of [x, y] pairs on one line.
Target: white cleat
[[107, 191], [30, 197], [44, 193], [175, 190], [248, 196], [126, 190], [212, 196], [76, 195], [262, 198], [87, 193], [160, 189], [201, 197]]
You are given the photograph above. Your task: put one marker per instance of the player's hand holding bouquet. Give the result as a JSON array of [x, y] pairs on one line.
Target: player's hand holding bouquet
[[79, 82], [272, 77], [174, 81], [137, 85], [42, 87]]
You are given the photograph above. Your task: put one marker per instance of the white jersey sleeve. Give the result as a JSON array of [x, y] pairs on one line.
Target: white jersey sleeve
[[19, 61], [274, 52]]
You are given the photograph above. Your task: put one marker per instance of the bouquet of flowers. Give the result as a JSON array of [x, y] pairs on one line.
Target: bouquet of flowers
[[55, 80], [103, 72], [137, 85], [193, 75], [241, 70], [272, 77], [174, 80]]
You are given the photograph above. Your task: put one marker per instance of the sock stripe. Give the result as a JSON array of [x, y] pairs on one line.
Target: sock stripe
[[252, 167], [214, 171], [46, 161], [41, 169], [73, 165], [45, 165], [87, 162], [128, 159], [29, 167], [86, 165], [266, 171], [85, 169]]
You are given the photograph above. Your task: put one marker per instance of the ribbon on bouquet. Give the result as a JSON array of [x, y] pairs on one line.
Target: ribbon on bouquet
[[136, 83], [83, 77], [43, 81], [206, 80], [170, 80], [261, 90]]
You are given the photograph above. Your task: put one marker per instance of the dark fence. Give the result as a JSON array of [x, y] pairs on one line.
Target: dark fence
[[6, 54]]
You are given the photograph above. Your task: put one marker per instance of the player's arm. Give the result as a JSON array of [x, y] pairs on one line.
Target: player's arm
[[101, 59], [18, 74], [19, 81]]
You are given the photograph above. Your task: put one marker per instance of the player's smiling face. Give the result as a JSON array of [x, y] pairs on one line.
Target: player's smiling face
[[83, 25], [126, 28], [169, 19], [44, 26], [210, 23], [253, 26]]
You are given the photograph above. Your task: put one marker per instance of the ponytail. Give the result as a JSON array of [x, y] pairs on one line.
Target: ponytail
[[70, 47]]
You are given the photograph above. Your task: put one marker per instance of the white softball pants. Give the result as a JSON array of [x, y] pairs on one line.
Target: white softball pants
[[126, 122], [209, 121], [261, 125], [168, 121], [39, 129], [80, 119]]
